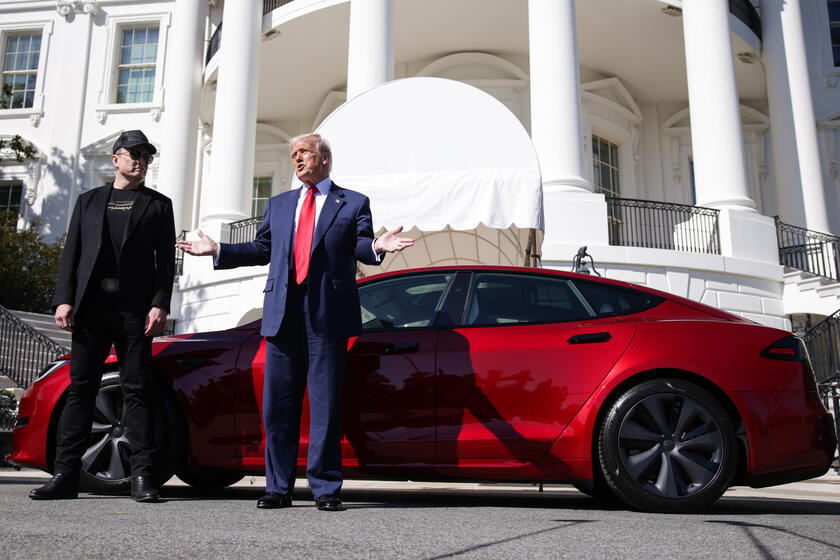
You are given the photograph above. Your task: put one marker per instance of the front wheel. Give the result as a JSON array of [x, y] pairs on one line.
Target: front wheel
[[667, 445], [106, 468]]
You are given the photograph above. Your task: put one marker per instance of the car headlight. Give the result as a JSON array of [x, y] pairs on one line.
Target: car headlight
[[51, 367]]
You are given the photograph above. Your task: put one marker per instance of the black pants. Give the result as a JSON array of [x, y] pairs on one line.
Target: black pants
[[93, 334]]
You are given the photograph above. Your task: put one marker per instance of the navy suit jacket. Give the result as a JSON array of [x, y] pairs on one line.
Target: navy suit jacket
[[343, 235]]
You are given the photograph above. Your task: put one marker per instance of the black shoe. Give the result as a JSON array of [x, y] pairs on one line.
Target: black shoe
[[62, 486], [329, 502], [143, 489], [273, 500]]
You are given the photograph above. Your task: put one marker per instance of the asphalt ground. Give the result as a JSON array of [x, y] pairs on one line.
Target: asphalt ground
[[416, 520]]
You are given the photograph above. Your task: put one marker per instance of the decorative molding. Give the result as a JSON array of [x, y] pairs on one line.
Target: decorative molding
[[439, 67], [35, 119], [101, 116], [155, 114], [676, 168], [830, 78], [833, 170], [635, 136], [761, 156], [69, 8], [611, 93], [34, 170]]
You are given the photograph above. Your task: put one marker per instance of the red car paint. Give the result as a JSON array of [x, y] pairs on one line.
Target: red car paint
[[503, 402]]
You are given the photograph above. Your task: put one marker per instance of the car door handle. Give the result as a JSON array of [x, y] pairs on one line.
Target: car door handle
[[589, 338], [399, 348]]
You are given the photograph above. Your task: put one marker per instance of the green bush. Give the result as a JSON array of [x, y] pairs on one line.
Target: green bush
[[28, 266]]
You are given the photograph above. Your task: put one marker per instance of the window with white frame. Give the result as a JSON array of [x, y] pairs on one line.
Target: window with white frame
[[834, 28], [137, 64], [11, 193], [21, 55], [605, 167], [260, 196]]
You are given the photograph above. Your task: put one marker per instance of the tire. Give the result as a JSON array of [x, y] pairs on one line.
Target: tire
[[667, 445], [210, 480], [596, 488], [105, 464]]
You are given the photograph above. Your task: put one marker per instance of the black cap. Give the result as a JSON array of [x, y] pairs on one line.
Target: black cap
[[132, 138]]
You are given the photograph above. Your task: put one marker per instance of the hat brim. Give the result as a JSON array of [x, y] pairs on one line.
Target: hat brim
[[149, 147]]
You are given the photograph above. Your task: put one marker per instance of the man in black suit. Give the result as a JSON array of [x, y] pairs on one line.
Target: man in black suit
[[114, 287]]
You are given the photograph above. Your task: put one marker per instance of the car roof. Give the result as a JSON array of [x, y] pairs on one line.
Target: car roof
[[562, 274]]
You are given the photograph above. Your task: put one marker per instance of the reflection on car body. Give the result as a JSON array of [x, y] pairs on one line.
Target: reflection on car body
[[498, 373]]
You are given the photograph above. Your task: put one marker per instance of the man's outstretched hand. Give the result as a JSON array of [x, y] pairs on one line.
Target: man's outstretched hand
[[204, 246], [390, 243]]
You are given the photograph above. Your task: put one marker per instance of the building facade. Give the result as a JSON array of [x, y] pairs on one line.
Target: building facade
[[670, 134]]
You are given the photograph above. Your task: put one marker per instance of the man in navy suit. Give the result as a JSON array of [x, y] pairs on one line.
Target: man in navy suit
[[312, 238]]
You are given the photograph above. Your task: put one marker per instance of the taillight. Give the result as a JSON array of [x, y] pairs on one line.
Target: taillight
[[789, 349], [793, 349]]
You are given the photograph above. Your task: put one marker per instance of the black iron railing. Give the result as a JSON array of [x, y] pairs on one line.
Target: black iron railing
[[269, 5], [810, 251], [823, 342], [214, 44], [244, 230], [24, 351], [179, 255], [663, 225], [746, 12]]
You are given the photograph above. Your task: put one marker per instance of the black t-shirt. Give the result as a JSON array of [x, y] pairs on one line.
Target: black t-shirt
[[120, 206], [118, 211]]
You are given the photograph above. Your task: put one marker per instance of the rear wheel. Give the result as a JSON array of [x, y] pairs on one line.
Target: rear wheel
[[105, 464], [667, 445]]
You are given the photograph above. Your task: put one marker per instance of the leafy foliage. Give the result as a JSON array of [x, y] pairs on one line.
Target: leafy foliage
[[20, 149], [28, 266]]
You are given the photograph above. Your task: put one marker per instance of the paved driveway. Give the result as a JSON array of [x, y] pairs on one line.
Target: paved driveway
[[414, 520]]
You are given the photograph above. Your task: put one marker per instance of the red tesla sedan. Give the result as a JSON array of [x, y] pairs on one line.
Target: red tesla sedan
[[492, 373]]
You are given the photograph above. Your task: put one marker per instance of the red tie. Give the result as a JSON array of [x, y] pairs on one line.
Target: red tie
[[303, 237]]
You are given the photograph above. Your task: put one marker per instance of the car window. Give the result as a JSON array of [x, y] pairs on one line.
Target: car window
[[503, 299], [609, 301], [402, 302]]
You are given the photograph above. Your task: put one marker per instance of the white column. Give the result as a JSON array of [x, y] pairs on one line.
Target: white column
[[370, 58], [717, 145], [64, 115], [556, 128], [235, 116], [183, 85], [796, 153], [574, 215]]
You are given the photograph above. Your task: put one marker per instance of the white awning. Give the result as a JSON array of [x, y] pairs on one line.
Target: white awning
[[438, 155]]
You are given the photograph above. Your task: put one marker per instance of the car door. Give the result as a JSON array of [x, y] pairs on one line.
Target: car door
[[528, 353], [389, 405]]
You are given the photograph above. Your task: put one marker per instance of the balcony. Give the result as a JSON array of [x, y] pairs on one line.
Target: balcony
[[746, 12], [663, 225], [741, 9], [810, 251], [244, 230]]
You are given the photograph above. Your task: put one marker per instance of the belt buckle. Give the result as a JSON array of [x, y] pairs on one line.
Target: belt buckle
[[110, 285]]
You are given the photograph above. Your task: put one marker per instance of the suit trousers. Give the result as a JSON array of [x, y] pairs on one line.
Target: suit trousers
[[93, 334], [298, 357]]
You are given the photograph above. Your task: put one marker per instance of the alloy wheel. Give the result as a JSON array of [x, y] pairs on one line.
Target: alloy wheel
[[670, 445]]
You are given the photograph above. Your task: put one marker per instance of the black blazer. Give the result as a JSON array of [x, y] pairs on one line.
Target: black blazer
[[147, 257]]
